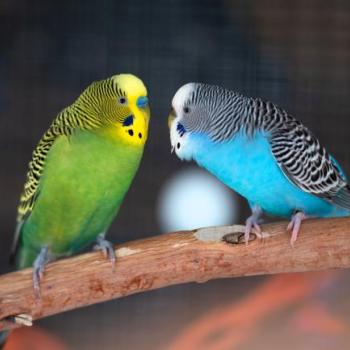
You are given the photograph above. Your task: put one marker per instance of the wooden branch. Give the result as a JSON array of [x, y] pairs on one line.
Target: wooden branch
[[169, 259]]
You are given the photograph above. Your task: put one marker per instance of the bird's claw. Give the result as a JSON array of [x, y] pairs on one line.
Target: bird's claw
[[253, 223], [38, 270], [294, 226], [37, 277], [107, 249], [249, 226]]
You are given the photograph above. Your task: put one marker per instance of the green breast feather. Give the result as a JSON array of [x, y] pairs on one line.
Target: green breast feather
[[83, 183]]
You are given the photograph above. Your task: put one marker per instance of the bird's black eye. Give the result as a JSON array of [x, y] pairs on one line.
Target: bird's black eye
[[178, 145], [122, 100], [186, 110]]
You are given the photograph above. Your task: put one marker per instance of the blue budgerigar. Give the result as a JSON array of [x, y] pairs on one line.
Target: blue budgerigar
[[261, 152]]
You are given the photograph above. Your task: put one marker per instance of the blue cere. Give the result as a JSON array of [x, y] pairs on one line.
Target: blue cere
[[142, 102]]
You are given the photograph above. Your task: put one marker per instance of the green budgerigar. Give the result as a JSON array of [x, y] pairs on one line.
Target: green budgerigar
[[80, 172]]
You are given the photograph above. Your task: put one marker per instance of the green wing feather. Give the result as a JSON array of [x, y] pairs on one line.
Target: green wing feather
[[80, 115], [35, 170], [83, 114], [32, 184], [64, 124]]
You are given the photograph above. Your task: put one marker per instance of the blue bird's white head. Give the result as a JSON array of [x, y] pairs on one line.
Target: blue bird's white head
[[201, 115], [179, 135]]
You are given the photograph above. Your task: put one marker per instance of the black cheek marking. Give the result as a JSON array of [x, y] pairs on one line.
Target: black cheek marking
[[128, 120], [140, 135], [131, 132], [180, 129], [178, 145]]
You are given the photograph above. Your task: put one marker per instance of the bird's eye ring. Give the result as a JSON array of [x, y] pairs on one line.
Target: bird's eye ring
[[186, 110], [122, 100]]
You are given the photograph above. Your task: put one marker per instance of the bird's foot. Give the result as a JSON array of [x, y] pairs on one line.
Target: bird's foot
[[294, 226], [107, 249], [38, 270], [253, 223]]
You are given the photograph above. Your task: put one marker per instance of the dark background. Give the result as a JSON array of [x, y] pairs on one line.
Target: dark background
[[295, 53]]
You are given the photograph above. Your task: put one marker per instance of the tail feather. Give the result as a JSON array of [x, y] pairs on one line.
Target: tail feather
[[342, 198]]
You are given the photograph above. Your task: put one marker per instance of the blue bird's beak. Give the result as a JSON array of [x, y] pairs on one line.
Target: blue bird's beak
[[171, 118], [142, 102]]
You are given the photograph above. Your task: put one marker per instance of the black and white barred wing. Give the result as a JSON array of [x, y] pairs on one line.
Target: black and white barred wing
[[36, 166], [307, 164]]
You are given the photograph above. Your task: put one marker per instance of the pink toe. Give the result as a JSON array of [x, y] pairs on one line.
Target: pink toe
[[246, 237], [257, 228]]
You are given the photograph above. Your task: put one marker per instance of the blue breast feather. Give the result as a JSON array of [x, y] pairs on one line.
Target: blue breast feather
[[248, 166]]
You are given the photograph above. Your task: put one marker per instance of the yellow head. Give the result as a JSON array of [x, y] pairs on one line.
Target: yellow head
[[119, 106]]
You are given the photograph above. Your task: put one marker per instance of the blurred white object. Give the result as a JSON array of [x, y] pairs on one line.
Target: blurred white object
[[193, 198]]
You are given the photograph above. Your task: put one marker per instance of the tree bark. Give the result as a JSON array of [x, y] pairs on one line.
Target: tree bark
[[173, 258]]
